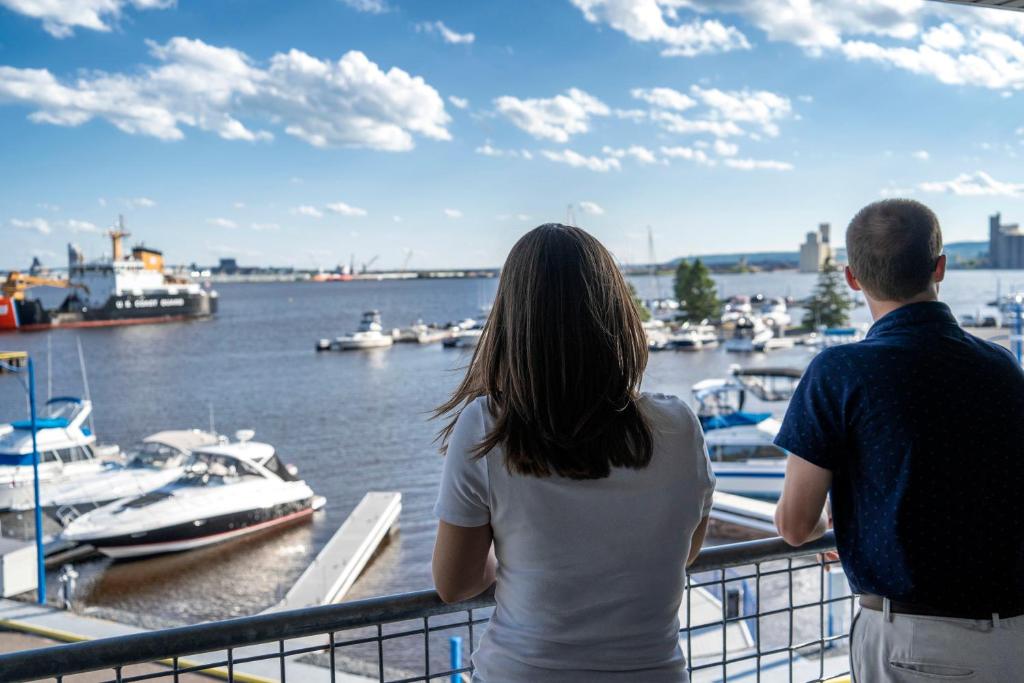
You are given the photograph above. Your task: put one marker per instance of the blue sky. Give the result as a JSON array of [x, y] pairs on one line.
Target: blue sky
[[301, 133]]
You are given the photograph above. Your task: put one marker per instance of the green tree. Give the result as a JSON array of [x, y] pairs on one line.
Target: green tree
[[829, 304], [696, 291], [645, 313]]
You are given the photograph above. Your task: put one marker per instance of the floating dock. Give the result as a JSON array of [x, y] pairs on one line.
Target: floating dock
[[328, 578], [758, 515]]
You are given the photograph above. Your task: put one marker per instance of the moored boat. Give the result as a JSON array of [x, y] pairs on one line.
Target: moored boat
[[749, 335], [67, 452], [691, 337], [158, 461], [126, 289], [227, 491], [740, 444], [370, 335]]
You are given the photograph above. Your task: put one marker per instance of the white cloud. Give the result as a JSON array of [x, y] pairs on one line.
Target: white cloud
[[666, 98], [458, 102], [396, 219], [956, 45], [819, 24], [239, 205], [637, 152], [977, 184], [60, 18], [758, 107], [140, 203], [921, 155], [556, 118], [345, 209], [306, 210], [944, 37], [447, 34], [349, 103], [711, 111], [593, 208], [261, 227], [689, 154], [453, 213], [40, 225], [222, 222], [489, 150], [656, 21], [577, 160], [725, 149], [77, 226], [674, 123], [758, 165], [369, 6]]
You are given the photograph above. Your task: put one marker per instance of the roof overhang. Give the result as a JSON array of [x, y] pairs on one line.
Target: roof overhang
[[1017, 5]]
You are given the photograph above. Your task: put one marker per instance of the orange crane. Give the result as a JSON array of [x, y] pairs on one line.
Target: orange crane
[[16, 284]]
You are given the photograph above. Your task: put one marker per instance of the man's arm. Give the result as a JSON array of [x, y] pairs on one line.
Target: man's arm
[[464, 563], [798, 515]]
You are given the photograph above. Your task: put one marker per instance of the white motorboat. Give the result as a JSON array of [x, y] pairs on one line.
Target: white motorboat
[[465, 334], [691, 337], [228, 490], [835, 336], [735, 308], [67, 452], [657, 333], [750, 334], [740, 444], [775, 313], [421, 333], [159, 460], [370, 335]]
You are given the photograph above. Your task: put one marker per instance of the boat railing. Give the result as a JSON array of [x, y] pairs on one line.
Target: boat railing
[[756, 610]]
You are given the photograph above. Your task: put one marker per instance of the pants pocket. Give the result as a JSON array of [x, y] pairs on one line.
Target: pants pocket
[[941, 672]]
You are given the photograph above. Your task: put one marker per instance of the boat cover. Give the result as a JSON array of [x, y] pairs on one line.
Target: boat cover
[[737, 419], [42, 423]]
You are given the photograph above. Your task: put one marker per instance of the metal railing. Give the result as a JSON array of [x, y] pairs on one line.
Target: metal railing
[[758, 611]]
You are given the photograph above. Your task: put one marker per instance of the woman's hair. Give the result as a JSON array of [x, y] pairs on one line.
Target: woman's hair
[[561, 359]]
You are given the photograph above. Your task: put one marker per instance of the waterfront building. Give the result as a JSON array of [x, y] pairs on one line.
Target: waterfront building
[[1005, 244], [816, 250]]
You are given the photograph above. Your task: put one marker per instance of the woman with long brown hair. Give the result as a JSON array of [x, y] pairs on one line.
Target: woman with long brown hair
[[580, 497]]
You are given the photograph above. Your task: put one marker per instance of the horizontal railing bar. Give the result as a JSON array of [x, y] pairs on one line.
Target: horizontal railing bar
[[151, 646]]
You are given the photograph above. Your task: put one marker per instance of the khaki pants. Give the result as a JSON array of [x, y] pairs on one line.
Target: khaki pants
[[914, 649]]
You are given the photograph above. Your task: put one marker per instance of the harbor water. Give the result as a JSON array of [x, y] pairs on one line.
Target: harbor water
[[351, 422]]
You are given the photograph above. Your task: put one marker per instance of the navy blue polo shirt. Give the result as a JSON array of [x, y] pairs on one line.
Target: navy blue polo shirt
[[922, 426]]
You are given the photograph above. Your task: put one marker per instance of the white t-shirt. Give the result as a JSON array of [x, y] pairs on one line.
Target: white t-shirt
[[590, 572]]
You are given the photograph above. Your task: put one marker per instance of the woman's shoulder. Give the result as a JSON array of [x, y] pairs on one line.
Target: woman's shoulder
[[666, 409], [666, 404]]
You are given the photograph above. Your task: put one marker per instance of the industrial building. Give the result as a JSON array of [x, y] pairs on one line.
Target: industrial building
[[816, 250], [1005, 244]]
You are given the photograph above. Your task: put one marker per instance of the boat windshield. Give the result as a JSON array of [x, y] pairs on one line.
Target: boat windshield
[[276, 466], [156, 456], [211, 469]]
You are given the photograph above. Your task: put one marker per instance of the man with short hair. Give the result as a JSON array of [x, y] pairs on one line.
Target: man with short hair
[[917, 435]]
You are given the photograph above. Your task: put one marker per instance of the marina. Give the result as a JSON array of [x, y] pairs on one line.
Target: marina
[[347, 443]]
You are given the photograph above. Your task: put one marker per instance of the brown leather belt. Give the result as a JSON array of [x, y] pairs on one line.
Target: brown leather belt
[[874, 602]]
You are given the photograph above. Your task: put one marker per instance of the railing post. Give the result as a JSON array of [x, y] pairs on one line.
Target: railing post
[[40, 559], [455, 652]]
